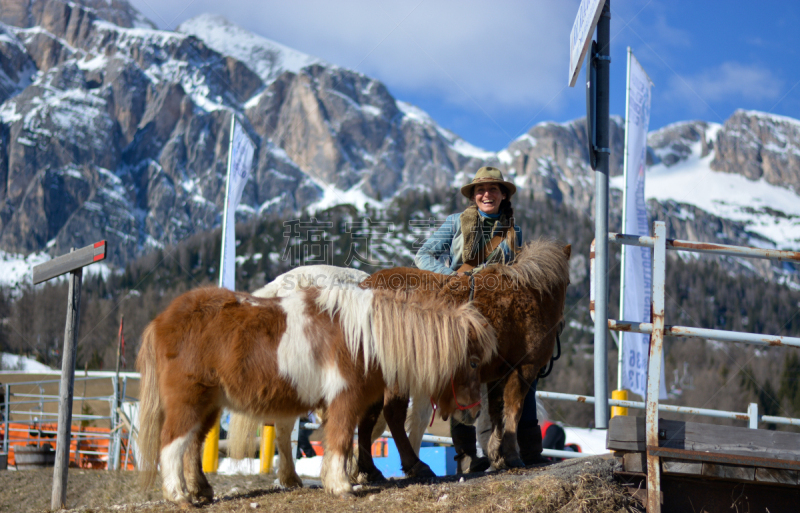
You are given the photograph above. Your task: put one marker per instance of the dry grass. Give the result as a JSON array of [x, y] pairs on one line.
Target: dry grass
[[584, 486]]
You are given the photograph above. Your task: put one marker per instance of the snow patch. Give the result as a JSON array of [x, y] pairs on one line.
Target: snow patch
[[266, 58], [765, 209]]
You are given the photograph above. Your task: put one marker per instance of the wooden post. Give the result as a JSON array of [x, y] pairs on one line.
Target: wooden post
[[59, 497], [73, 263]]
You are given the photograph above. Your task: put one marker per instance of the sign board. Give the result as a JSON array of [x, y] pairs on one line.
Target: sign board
[[581, 35], [70, 262]]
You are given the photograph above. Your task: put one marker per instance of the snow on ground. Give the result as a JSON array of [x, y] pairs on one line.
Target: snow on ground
[[22, 363], [592, 441], [727, 195]]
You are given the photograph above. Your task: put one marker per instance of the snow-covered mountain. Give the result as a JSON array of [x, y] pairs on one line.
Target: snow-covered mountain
[[111, 129]]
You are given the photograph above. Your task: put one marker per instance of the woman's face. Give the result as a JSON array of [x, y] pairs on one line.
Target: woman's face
[[488, 197]]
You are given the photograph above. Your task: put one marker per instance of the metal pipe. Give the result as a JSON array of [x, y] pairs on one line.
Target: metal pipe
[[708, 247], [602, 62], [719, 335]]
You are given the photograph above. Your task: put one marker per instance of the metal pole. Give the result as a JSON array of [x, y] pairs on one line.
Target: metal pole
[[601, 221], [654, 367], [624, 249], [59, 497], [752, 416], [113, 444]]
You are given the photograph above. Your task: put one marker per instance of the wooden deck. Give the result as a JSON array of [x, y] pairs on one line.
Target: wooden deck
[[707, 467]]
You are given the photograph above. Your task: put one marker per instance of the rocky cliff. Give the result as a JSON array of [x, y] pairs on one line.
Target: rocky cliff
[[111, 129]]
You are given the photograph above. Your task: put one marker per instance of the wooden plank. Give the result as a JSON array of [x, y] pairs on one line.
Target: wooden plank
[[748, 460], [634, 462], [759, 442], [69, 262], [778, 476], [682, 467], [731, 472], [627, 433]]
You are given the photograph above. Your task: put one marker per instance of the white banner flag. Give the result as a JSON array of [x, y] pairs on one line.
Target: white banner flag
[[638, 262], [240, 158]]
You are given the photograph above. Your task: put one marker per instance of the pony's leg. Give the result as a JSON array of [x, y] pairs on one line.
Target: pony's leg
[[394, 409], [340, 423], [287, 475], [513, 397], [417, 421], [182, 423], [495, 449], [366, 471], [196, 483], [483, 426]]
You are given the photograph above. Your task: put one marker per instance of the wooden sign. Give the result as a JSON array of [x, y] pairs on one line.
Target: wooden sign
[[69, 262]]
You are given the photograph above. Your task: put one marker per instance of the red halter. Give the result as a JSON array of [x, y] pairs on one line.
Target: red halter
[[459, 406]]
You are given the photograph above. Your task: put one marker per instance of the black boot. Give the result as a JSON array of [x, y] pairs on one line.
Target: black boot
[[529, 437], [464, 442]]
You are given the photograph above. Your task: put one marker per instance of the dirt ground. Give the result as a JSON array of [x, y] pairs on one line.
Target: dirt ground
[[580, 485]]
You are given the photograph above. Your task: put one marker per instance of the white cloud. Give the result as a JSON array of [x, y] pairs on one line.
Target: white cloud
[[730, 81], [499, 55]]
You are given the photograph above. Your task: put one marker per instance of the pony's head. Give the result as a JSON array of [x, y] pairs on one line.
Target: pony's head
[[463, 396]]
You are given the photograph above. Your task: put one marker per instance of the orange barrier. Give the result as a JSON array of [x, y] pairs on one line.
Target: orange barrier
[[380, 448], [25, 434]]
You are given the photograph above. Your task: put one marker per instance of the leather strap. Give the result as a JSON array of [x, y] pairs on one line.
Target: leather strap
[[483, 254]]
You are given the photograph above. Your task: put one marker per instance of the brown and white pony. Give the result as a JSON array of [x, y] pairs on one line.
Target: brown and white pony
[[464, 387], [279, 358], [524, 302]]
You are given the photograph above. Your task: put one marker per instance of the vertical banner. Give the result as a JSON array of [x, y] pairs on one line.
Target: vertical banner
[[637, 262], [240, 159]]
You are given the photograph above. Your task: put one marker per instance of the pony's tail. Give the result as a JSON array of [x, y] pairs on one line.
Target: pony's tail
[[241, 441], [151, 415]]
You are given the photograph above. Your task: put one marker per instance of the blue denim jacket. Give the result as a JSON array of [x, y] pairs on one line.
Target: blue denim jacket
[[441, 253]]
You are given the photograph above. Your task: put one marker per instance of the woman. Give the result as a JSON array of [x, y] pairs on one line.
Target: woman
[[466, 243]]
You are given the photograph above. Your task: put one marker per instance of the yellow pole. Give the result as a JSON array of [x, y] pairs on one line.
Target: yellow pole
[[619, 411], [267, 448], [211, 449]]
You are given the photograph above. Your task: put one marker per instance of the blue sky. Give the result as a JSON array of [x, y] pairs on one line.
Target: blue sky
[[491, 70]]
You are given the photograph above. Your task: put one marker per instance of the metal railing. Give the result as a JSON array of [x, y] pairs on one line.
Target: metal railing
[[657, 329], [28, 409]]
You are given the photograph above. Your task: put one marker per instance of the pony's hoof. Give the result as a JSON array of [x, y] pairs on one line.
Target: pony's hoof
[[291, 482], [373, 476], [420, 471], [347, 496], [515, 462], [186, 505]]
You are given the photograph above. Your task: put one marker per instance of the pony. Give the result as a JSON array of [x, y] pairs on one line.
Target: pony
[[464, 387], [281, 357], [524, 302]]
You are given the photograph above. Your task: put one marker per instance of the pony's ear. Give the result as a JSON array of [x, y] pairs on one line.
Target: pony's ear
[[567, 250]]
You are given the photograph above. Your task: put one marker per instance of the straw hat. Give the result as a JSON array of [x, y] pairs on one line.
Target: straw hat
[[488, 174]]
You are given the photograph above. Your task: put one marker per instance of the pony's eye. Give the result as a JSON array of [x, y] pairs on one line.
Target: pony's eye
[[473, 365]]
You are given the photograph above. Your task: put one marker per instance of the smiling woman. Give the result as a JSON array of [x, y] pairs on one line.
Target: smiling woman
[[483, 234]]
